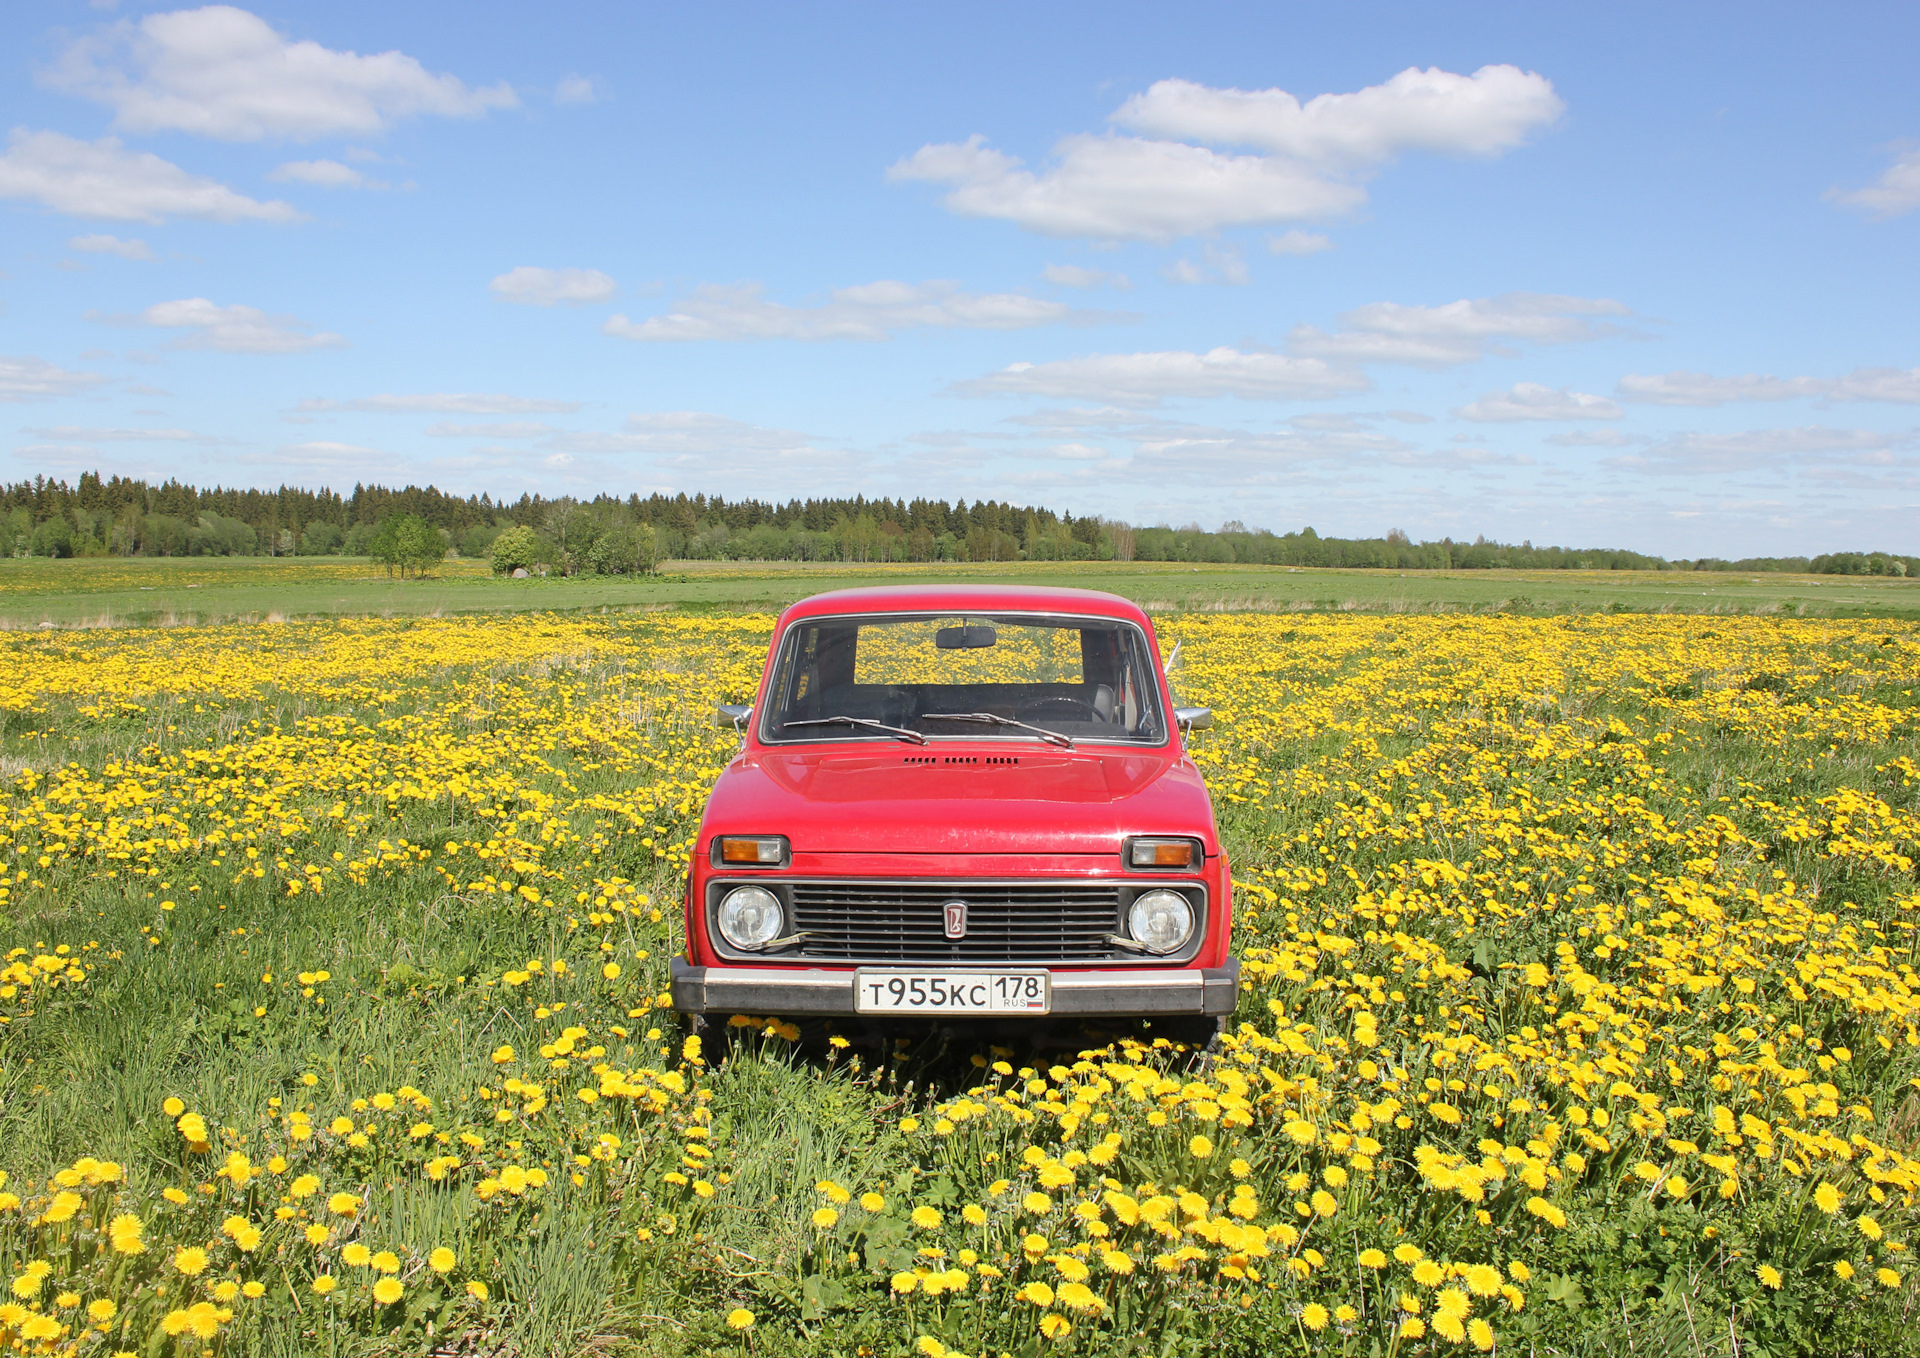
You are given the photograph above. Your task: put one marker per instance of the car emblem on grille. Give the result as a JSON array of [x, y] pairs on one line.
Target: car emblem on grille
[[956, 918]]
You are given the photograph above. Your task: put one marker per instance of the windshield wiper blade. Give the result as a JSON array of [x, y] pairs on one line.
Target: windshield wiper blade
[[994, 719], [898, 732]]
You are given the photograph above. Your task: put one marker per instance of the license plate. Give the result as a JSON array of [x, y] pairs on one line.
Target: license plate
[[952, 992]]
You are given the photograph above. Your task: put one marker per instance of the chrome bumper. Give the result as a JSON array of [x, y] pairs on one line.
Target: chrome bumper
[[788, 992]]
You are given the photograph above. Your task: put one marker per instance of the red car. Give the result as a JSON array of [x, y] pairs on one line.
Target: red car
[[961, 802]]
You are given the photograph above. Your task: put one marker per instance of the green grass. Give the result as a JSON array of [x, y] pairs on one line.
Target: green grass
[[168, 592]]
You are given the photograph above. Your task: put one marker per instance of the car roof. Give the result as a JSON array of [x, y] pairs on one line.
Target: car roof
[[963, 598]]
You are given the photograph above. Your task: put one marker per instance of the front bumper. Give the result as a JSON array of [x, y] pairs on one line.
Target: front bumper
[[1111, 994]]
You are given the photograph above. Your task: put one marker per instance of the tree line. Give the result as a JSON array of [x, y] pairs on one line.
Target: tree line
[[410, 529]]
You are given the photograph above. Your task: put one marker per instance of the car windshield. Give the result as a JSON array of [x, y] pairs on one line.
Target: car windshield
[[1002, 677]]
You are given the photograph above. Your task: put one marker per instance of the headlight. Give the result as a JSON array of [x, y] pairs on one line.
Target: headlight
[[750, 917], [1160, 920]]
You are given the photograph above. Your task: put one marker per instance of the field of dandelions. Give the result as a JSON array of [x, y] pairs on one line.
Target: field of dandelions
[[1580, 1013]]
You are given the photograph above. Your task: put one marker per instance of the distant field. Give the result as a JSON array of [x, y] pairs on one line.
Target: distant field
[[122, 592]]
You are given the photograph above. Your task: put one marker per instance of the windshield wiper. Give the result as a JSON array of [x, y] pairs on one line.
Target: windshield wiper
[[898, 732], [993, 719]]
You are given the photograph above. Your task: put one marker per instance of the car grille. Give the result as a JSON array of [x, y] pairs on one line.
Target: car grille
[[905, 922]]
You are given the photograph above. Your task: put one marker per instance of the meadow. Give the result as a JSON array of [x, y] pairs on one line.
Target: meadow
[[1580, 1011], [176, 591]]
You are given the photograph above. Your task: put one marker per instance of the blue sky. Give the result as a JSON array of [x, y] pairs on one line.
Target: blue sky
[[1637, 275]]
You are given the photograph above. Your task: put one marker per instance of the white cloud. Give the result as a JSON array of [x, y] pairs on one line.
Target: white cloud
[[1146, 379], [1298, 243], [575, 89], [1073, 276], [235, 329], [1171, 183], [110, 245], [1217, 264], [1763, 449], [1127, 188], [446, 403], [33, 379], [222, 72], [104, 179], [1531, 401], [696, 443], [1597, 438], [69, 431], [1491, 111], [325, 174], [1173, 453], [326, 456], [1900, 385], [525, 429], [871, 311], [532, 286], [1895, 193], [1458, 332], [1704, 389]]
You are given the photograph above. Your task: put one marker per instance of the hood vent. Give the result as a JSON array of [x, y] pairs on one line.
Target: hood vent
[[968, 760]]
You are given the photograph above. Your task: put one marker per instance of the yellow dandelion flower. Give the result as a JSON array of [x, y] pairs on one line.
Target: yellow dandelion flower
[[191, 1260], [477, 1290], [387, 1291], [357, 1255], [324, 1284], [873, 1202], [1770, 1276], [926, 1218], [1888, 1277], [1481, 1334], [1827, 1198], [1372, 1259], [1036, 1293], [824, 1217], [1314, 1316]]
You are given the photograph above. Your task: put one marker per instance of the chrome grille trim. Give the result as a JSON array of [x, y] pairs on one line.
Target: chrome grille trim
[[1023, 922]]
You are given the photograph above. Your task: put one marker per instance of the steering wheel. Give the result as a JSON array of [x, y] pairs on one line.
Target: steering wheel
[[1059, 707]]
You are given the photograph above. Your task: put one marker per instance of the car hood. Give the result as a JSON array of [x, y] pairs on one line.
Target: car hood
[[960, 800]]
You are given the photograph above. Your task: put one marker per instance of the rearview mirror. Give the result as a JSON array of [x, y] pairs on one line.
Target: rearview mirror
[[732, 715], [967, 638], [1193, 718]]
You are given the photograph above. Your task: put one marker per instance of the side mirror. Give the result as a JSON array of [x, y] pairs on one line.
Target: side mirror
[[1193, 718], [732, 715]]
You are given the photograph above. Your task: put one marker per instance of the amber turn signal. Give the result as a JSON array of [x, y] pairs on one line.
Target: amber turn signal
[[760, 851], [1162, 853]]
